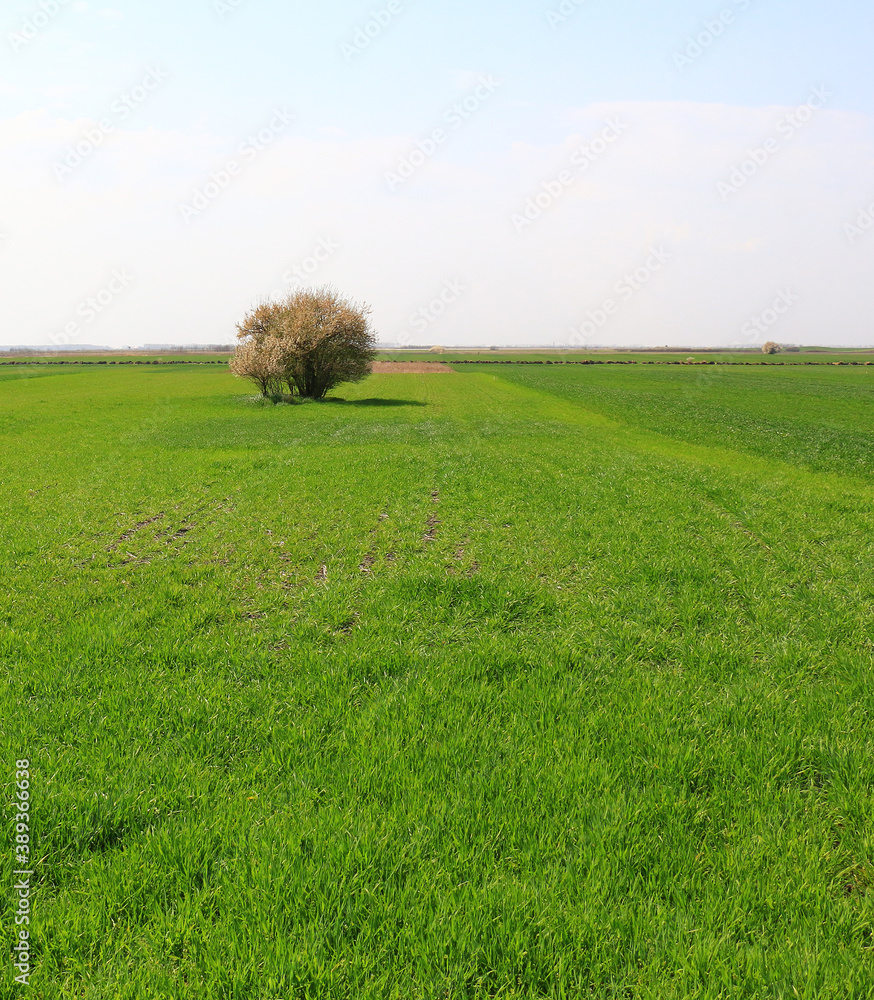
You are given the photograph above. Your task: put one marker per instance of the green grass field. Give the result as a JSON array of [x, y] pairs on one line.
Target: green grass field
[[541, 682]]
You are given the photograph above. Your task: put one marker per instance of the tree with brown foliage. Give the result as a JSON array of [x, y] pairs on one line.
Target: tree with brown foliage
[[315, 338], [770, 348]]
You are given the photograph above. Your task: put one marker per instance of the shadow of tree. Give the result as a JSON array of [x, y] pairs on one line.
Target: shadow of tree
[[376, 401]]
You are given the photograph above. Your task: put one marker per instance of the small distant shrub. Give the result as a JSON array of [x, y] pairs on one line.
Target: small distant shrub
[[770, 348]]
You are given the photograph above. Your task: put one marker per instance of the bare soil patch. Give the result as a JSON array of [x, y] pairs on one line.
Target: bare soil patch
[[411, 368]]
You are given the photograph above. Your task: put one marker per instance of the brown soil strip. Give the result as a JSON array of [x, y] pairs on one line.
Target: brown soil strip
[[411, 368]]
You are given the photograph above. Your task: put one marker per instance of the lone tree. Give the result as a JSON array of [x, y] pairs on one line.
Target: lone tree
[[770, 348], [310, 341]]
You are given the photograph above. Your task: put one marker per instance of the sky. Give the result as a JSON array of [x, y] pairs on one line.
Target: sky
[[538, 172]]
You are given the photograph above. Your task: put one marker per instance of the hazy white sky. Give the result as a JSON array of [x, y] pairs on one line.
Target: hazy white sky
[[690, 172]]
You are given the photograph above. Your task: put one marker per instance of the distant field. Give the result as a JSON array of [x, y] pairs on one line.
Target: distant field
[[118, 358], [818, 355], [528, 682]]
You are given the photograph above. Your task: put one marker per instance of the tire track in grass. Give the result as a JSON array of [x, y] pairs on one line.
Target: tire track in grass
[[406, 554], [355, 566], [127, 535], [433, 522], [163, 542]]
